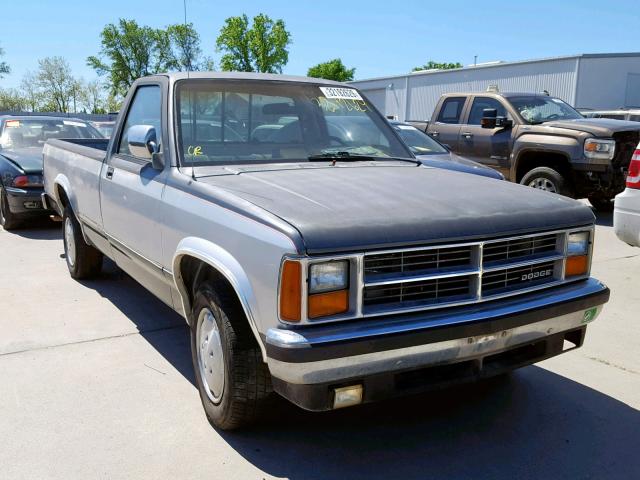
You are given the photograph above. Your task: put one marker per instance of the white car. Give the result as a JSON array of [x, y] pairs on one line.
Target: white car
[[626, 213]]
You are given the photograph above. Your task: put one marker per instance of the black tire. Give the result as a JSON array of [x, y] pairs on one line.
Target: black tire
[[246, 389], [601, 203], [83, 260], [8, 220], [547, 179]]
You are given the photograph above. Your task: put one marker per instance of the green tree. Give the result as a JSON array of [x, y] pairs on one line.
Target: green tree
[[11, 100], [432, 65], [332, 70], [31, 91], [184, 44], [4, 68], [130, 51], [56, 83], [92, 96], [261, 47]]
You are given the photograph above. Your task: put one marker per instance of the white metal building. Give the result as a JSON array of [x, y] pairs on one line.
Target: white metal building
[[596, 81]]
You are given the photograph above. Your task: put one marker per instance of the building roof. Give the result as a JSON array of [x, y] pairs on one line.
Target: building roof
[[500, 64]]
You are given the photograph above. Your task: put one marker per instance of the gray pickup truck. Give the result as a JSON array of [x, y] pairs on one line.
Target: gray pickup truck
[[310, 253], [539, 141]]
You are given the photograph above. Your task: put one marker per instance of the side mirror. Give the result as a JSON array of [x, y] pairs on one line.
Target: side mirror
[[489, 118], [143, 143]]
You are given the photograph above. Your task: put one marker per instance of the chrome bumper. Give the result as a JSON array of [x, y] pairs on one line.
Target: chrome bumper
[[312, 356]]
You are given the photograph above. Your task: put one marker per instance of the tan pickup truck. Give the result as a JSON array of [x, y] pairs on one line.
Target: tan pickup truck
[[538, 140]]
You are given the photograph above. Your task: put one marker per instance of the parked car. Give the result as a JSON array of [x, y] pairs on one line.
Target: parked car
[[105, 128], [626, 214], [333, 269], [21, 141], [539, 141], [630, 114], [433, 154]]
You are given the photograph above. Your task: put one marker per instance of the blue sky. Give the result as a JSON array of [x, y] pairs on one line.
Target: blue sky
[[377, 37]]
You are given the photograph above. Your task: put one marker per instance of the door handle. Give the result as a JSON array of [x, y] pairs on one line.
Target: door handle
[[109, 173], [434, 133], [467, 135]]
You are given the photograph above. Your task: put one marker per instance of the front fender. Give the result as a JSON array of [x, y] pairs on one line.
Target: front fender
[[569, 147], [226, 264]]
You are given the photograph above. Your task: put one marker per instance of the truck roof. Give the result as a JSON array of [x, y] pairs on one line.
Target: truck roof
[[498, 94], [248, 76]]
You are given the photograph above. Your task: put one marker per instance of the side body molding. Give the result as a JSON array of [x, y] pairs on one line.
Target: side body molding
[[221, 260]]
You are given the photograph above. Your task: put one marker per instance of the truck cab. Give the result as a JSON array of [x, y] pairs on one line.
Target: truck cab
[[538, 140]]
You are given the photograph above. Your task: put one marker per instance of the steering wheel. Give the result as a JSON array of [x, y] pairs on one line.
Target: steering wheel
[[553, 116]]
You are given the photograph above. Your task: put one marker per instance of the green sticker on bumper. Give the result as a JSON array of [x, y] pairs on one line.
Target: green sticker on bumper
[[589, 315]]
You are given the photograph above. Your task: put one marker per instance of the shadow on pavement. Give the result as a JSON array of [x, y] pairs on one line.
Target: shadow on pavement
[[534, 424], [39, 229], [158, 324]]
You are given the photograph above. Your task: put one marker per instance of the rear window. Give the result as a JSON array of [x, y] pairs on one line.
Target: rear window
[[451, 110], [25, 133]]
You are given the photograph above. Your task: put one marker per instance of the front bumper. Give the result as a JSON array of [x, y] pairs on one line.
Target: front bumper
[[307, 364], [26, 202]]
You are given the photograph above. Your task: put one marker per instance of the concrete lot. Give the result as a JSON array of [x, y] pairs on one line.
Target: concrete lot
[[96, 382]]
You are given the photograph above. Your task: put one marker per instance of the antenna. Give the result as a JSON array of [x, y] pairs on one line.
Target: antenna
[[184, 4]]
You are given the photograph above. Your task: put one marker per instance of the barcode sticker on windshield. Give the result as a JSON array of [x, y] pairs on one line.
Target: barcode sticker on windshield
[[71, 123], [343, 93]]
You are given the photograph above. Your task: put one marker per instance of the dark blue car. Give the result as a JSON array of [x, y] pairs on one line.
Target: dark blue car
[[433, 154], [22, 139]]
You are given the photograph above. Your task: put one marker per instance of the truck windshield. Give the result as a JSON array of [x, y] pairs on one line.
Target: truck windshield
[[542, 109], [25, 133], [265, 121]]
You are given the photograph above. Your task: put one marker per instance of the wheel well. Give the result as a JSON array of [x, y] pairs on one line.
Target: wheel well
[[530, 160], [62, 196], [194, 272]]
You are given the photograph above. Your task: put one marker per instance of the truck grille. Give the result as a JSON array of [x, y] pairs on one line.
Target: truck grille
[[431, 277]]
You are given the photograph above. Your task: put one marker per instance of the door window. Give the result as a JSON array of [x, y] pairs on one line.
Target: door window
[[479, 104], [145, 109], [451, 110]]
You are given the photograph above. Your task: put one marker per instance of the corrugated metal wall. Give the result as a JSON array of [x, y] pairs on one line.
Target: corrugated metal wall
[[558, 76]]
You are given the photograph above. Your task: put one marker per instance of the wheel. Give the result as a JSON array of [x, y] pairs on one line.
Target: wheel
[[601, 203], [8, 220], [83, 260], [548, 179], [233, 381]]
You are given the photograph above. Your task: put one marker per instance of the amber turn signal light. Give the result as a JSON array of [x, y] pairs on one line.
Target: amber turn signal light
[[576, 265], [330, 303], [291, 291]]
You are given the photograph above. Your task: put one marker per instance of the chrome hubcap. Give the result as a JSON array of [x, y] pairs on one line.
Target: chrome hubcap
[[69, 241], [210, 355], [542, 183]]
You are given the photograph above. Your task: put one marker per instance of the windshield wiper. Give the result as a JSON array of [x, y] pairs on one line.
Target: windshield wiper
[[344, 156]]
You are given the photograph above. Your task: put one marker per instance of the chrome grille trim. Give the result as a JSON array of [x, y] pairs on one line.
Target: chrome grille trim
[[539, 248]]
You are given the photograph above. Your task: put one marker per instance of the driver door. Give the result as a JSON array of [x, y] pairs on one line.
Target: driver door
[[131, 196], [489, 146]]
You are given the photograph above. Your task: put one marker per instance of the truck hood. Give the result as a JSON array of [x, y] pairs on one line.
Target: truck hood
[[29, 160], [599, 127], [351, 208]]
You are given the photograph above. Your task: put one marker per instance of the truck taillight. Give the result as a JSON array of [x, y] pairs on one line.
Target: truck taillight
[[633, 177]]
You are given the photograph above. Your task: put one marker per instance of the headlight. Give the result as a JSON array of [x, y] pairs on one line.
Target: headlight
[[578, 244], [577, 262], [327, 293], [329, 276], [599, 148]]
